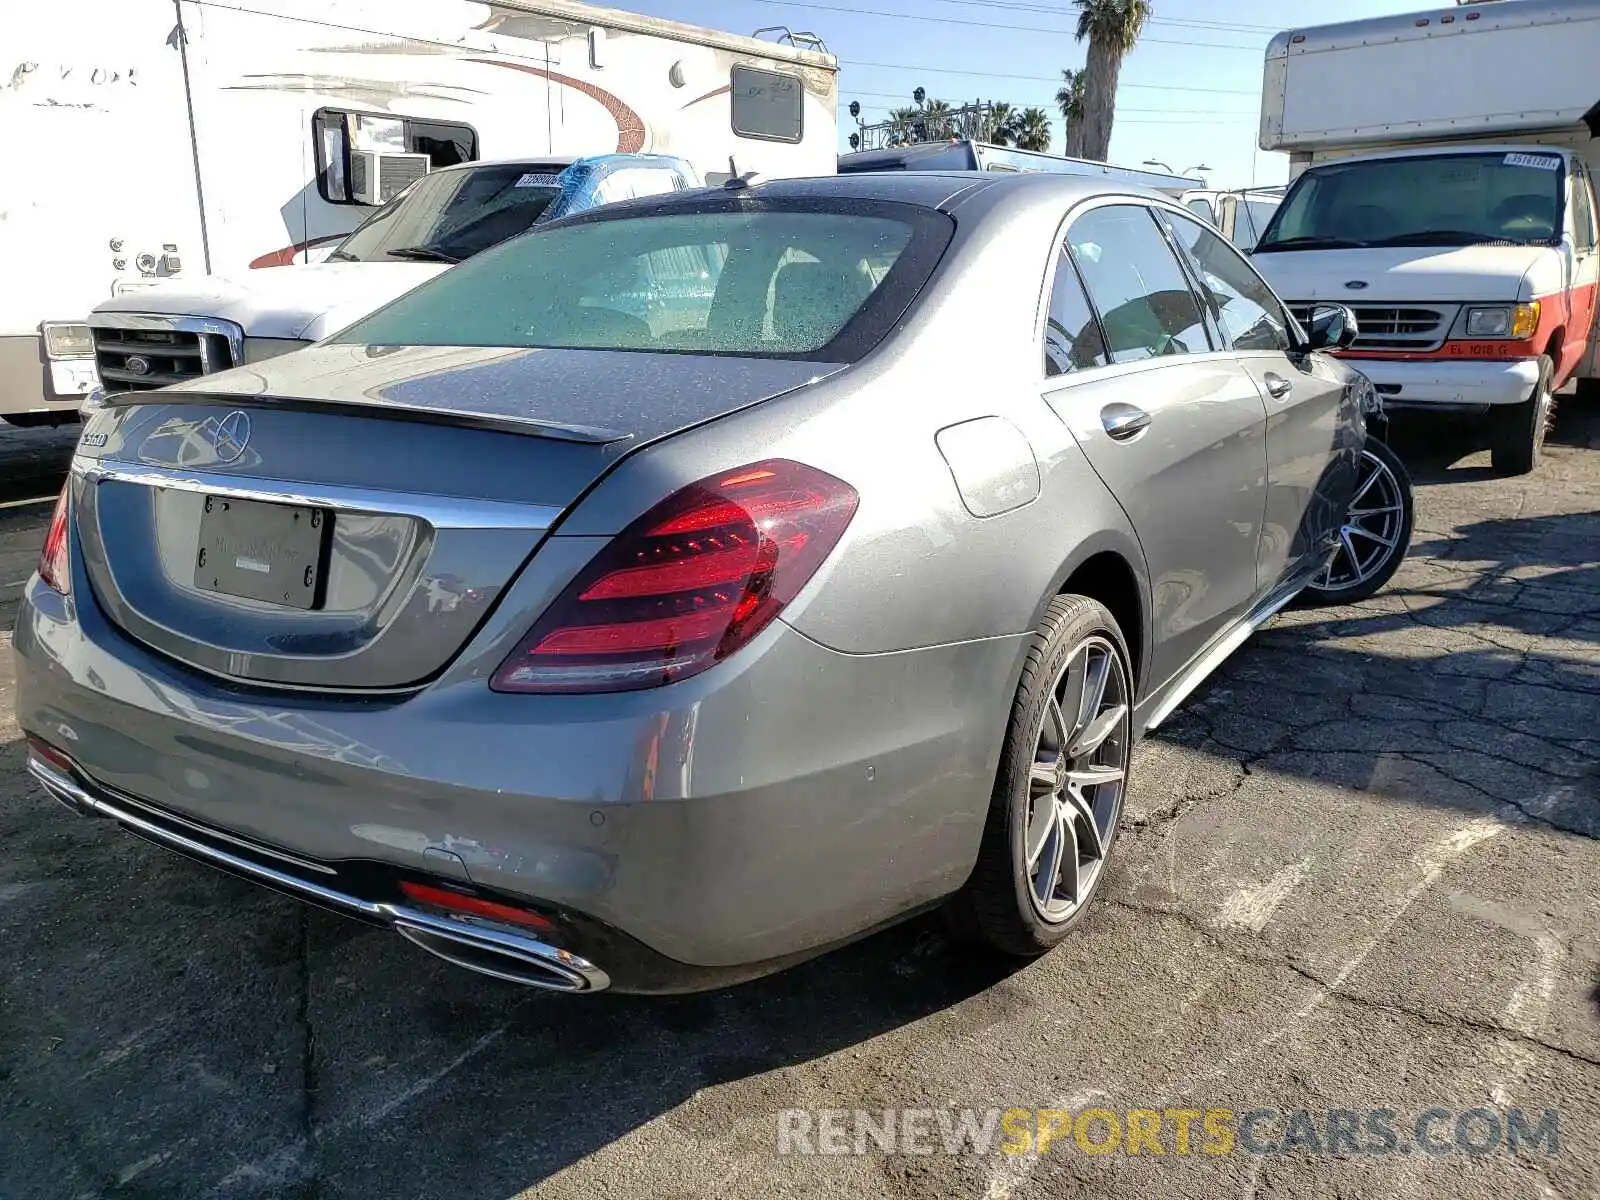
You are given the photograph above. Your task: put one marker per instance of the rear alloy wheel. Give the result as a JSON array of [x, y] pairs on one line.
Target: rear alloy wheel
[[1517, 431], [1053, 816], [1376, 532]]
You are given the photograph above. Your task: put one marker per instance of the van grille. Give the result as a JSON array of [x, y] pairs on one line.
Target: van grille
[[140, 359], [1394, 327]]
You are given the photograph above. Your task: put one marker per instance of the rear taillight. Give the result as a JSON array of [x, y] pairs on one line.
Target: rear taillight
[[54, 567], [686, 584]]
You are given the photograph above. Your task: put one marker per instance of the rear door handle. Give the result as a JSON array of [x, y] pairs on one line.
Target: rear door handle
[[1123, 421], [1277, 386]]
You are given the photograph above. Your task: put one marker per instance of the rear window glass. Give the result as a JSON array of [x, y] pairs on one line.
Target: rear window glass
[[771, 283]]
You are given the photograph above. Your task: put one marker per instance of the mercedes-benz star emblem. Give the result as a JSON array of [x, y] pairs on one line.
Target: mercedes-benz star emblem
[[232, 436], [138, 364]]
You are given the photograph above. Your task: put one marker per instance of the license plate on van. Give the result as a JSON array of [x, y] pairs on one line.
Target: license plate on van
[[275, 553]]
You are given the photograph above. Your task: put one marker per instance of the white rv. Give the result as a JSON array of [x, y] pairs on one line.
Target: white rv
[[1441, 167], [186, 138]]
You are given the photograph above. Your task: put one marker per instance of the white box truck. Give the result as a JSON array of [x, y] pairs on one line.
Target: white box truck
[[178, 139], [1441, 186]]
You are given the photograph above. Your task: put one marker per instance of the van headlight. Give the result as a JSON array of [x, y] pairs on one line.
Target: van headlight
[[62, 340], [1515, 321]]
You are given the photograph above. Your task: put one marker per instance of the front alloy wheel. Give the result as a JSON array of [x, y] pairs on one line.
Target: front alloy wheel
[[1375, 533]]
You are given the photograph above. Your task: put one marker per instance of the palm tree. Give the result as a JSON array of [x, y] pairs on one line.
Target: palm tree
[[935, 121], [1001, 118], [901, 123], [1069, 99], [1112, 28], [1033, 129]]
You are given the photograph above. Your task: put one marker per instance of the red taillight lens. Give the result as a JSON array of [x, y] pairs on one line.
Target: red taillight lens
[[686, 584], [54, 567]]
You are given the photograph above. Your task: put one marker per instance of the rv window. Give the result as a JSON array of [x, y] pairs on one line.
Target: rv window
[[335, 133], [1201, 207], [767, 105]]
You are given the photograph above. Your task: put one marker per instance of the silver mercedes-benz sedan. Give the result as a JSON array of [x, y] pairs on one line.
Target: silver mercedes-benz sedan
[[668, 595]]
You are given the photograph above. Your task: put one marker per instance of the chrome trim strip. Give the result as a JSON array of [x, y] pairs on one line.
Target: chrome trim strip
[[1214, 657], [164, 322], [567, 972], [441, 512]]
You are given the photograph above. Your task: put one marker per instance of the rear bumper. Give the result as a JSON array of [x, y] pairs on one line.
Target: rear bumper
[[781, 803], [490, 948], [1449, 383]]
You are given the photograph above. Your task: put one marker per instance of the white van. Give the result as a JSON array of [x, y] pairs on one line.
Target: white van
[[1441, 187], [189, 138]]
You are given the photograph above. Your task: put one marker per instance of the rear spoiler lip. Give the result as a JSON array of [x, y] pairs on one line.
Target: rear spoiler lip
[[493, 422]]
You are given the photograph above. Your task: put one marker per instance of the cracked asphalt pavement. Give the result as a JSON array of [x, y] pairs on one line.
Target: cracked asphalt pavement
[[1358, 870]]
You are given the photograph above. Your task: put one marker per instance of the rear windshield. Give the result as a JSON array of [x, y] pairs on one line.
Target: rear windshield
[[721, 278], [1425, 200]]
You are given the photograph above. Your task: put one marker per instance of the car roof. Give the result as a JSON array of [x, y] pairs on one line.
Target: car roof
[[531, 160], [943, 189]]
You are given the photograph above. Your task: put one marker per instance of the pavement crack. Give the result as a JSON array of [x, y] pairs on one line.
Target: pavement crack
[[1336, 991]]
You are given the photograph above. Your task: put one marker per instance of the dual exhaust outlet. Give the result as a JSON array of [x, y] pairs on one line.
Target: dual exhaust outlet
[[487, 947]]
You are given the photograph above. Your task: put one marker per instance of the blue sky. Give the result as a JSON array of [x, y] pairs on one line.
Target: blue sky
[[1191, 91]]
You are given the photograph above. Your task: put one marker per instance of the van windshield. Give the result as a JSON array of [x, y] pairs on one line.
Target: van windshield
[[1426, 200], [451, 215], [739, 280]]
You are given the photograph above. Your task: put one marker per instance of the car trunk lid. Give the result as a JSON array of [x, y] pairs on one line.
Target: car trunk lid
[[345, 517]]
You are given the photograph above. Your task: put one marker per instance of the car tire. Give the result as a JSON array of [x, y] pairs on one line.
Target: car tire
[[1517, 431], [1007, 903], [1390, 518]]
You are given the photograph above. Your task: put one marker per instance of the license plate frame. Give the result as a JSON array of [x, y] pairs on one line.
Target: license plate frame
[[264, 551]]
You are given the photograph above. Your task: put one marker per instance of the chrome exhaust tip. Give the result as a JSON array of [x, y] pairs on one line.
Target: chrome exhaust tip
[[503, 955], [477, 945]]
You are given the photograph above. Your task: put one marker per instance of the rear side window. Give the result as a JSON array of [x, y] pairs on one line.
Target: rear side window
[[723, 278], [767, 105], [1246, 307], [1144, 300], [1072, 340]]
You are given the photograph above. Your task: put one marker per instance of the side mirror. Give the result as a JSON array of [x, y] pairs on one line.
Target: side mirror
[[1331, 327]]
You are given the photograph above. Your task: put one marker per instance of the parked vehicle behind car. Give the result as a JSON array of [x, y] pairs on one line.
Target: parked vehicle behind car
[[1441, 183], [183, 328], [670, 594]]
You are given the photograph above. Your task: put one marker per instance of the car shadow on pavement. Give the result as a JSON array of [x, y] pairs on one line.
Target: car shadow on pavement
[[1435, 446]]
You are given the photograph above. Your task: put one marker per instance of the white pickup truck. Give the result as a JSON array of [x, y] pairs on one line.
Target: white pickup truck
[[1441, 187], [177, 329]]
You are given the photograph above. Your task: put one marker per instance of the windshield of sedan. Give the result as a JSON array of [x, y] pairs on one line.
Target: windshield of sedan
[[1426, 200], [452, 215], [735, 279]]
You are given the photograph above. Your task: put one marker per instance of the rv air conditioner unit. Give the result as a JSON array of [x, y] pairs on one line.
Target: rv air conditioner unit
[[377, 178]]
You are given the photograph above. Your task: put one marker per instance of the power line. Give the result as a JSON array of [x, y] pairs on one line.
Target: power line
[[900, 16], [1055, 10], [1165, 87]]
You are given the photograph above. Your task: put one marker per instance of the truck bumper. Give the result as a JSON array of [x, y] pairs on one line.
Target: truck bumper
[[1449, 384], [30, 383]]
